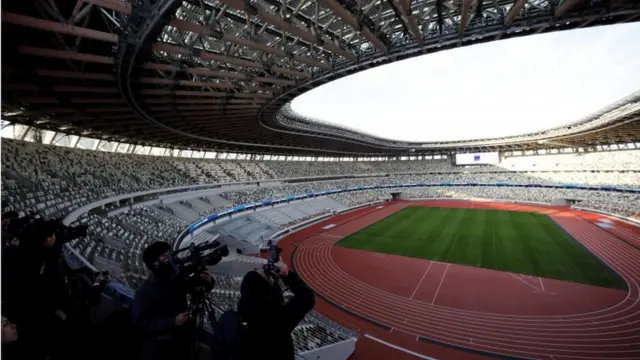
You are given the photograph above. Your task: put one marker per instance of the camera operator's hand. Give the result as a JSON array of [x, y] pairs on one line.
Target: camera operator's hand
[[206, 276], [182, 318], [284, 269], [103, 278]]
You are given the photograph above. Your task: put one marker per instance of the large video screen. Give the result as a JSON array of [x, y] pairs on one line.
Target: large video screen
[[491, 158]]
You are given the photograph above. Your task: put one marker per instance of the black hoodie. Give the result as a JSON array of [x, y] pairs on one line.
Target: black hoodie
[[265, 322]]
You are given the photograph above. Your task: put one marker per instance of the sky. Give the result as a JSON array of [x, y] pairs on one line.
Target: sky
[[500, 88]]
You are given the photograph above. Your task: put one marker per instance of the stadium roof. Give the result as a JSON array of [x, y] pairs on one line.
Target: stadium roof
[[216, 74], [418, 99]]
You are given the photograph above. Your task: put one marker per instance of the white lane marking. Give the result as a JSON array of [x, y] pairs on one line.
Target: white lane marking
[[441, 280], [406, 351], [524, 282], [423, 275]]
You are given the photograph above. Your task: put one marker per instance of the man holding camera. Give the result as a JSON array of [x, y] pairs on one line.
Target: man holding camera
[[264, 321], [160, 309]]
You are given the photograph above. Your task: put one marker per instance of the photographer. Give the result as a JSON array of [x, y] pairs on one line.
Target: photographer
[[84, 288], [160, 309], [39, 289], [263, 322]]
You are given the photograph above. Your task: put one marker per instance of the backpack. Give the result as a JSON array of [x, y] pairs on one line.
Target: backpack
[[230, 337]]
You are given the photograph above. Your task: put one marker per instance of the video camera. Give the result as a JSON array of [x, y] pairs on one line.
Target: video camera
[[273, 257], [31, 226], [196, 258]]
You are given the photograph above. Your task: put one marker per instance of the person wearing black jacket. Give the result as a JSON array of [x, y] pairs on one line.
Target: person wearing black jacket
[[85, 288], [262, 326], [41, 290], [160, 309], [11, 265]]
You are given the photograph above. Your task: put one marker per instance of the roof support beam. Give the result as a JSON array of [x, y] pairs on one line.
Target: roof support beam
[[202, 93], [206, 107], [632, 17], [212, 73], [465, 15], [348, 18], [75, 75], [207, 114], [85, 89], [115, 5], [565, 6], [65, 55], [202, 30], [587, 22], [57, 27], [167, 81], [514, 11], [403, 12], [280, 23], [150, 80], [206, 55], [97, 101], [201, 101]]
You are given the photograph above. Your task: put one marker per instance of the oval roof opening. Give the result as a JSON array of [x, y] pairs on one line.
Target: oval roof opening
[[501, 88]]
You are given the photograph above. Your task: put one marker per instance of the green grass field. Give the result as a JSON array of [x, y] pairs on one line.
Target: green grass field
[[520, 242]]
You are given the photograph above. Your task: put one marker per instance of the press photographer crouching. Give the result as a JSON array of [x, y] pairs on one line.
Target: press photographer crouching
[[262, 326], [161, 313]]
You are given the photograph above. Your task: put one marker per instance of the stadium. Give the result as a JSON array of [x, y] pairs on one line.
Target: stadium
[[176, 121]]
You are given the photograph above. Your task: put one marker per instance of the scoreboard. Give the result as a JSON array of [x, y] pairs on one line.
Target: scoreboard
[[490, 158]]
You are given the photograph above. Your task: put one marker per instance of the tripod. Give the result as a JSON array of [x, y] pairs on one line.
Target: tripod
[[201, 310]]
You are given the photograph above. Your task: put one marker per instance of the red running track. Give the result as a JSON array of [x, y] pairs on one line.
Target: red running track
[[622, 230], [597, 329]]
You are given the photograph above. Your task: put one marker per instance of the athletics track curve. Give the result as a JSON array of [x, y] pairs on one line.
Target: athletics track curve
[[611, 332]]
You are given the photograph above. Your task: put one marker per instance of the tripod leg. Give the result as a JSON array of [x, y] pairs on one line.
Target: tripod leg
[[211, 313], [195, 337]]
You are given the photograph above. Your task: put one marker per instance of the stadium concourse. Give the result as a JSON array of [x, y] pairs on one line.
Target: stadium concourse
[[56, 181]]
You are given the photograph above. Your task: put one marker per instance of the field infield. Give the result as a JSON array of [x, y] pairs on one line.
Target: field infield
[[527, 243], [450, 311]]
